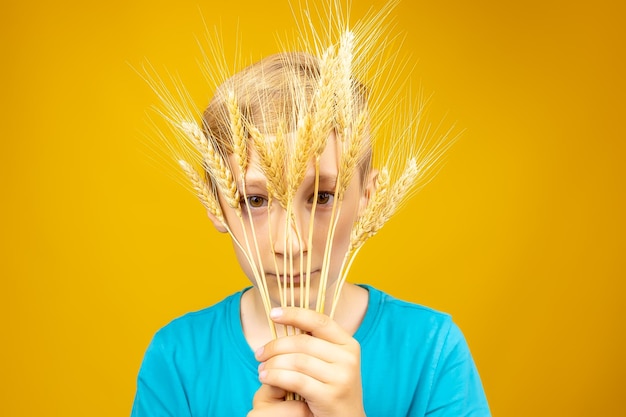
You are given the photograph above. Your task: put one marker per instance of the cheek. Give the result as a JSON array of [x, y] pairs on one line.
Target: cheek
[[242, 260], [353, 204], [344, 228], [254, 227]]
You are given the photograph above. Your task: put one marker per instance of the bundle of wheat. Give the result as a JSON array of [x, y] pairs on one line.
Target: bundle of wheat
[[281, 118]]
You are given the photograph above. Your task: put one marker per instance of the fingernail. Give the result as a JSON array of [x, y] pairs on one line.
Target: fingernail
[[262, 374], [276, 312], [259, 351], [261, 366]]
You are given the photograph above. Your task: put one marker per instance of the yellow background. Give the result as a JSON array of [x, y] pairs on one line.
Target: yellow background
[[521, 236]]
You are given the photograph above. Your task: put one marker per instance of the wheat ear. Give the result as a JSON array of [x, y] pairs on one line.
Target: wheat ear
[[365, 227], [350, 146], [296, 166], [384, 204], [240, 152], [203, 192], [225, 182], [238, 133], [344, 83], [273, 156], [324, 103], [215, 164]]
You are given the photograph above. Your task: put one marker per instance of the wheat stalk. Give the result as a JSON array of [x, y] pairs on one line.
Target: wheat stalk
[[323, 103], [300, 156], [215, 164], [227, 186], [203, 192], [195, 135], [345, 58], [344, 83], [240, 152], [238, 133], [273, 154], [385, 202], [353, 152]]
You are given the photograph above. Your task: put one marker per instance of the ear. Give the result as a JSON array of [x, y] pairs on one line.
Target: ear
[[369, 189], [217, 223]]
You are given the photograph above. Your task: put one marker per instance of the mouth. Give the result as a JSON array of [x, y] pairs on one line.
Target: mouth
[[295, 280], [288, 279]]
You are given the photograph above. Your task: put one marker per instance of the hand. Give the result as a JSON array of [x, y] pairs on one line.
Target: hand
[[270, 401], [324, 366]]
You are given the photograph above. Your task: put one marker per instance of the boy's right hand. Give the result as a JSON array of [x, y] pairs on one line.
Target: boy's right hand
[[322, 364], [270, 402]]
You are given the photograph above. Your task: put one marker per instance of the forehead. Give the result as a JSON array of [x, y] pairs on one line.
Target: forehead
[[328, 160]]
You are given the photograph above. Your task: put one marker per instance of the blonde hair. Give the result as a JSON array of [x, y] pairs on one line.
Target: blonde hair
[[311, 95], [274, 93]]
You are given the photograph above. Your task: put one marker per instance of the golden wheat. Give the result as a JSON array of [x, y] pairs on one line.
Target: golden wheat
[[301, 155], [239, 139], [371, 221], [203, 192], [223, 177], [195, 135], [218, 170], [344, 84], [273, 156], [323, 104], [348, 59], [354, 151]]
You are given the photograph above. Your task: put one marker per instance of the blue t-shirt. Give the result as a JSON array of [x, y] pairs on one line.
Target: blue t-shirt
[[414, 360]]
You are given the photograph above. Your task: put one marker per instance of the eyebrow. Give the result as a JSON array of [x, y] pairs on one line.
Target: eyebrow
[[255, 180], [256, 183], [325, 180]]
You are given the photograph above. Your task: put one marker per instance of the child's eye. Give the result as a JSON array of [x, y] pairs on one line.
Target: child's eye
[[323, 198], [256, 201]]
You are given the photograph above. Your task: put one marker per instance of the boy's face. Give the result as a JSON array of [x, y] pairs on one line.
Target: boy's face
[[284, 248]]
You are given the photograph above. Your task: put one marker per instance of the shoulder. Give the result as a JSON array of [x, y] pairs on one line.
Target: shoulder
[[410, 329], [177, 374], [393, 305], [393, 316], [195, 338], [425, 353], [193, 327]]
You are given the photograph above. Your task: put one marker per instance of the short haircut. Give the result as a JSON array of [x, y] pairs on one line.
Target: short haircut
[[271, 93]]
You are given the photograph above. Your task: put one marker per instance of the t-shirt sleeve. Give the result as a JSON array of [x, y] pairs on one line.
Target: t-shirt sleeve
[[457, 389], [160, 391]]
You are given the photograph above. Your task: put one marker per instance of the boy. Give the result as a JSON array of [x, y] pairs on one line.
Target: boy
[[293, 227]]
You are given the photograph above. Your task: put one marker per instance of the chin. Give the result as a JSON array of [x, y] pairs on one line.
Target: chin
[[289, 291]]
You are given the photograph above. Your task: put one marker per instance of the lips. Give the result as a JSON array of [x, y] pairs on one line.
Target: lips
[[297, 278]]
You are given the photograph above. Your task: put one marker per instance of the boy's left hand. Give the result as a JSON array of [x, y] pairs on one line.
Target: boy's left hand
[[324, 366]]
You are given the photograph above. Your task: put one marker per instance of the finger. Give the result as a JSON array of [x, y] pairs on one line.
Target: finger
[[268, 394], [282, 409], [302, 363], [318, 324], [297, 382], [309, 345]]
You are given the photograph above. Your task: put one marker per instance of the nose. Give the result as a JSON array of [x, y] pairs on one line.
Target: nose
[[287, 237]]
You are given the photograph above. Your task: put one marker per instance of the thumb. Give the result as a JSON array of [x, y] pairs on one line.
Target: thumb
[[268, 394]]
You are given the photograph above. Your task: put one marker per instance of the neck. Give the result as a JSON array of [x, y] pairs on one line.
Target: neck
[[349, 313]]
